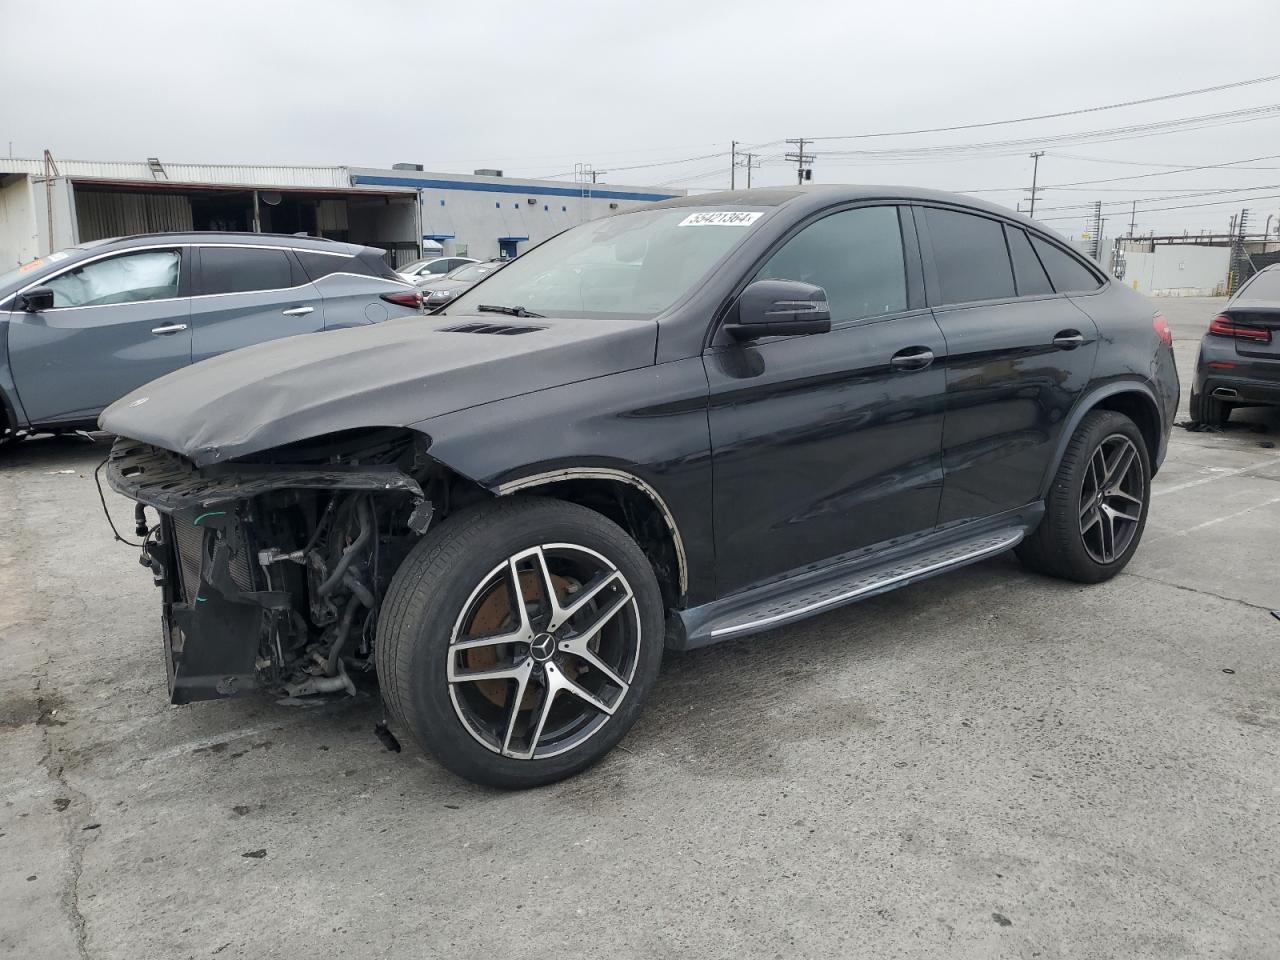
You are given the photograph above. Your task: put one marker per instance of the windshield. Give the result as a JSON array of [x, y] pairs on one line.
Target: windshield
[[412, 267], [18, 276], [629, 266]]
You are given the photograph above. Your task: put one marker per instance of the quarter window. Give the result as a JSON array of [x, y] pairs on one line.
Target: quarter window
[[1026, 266], [132, 278], [854, 255], [317, 265], [969, 256], [1066, 272], [242, 270]]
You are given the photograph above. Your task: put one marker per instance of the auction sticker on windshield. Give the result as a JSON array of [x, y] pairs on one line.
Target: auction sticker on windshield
[[721, 218]]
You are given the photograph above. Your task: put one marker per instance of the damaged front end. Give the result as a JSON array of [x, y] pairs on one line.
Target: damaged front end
[[272, 571]]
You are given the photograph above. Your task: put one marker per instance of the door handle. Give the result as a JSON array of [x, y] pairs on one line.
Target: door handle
[[1068, 339], [168, 328], [298, 311], [911, 358]]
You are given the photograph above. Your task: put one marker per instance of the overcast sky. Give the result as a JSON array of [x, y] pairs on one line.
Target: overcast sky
[[534, 88]]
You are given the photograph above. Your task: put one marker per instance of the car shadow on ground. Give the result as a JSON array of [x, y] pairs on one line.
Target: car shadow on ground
[[1260, 424], [54, 450]]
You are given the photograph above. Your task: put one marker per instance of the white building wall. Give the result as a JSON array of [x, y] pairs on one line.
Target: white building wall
[[19, 241], [1174, 270], [65, 232], [472, 214]]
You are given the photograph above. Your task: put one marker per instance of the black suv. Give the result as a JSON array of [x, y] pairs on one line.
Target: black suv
[[699, 420]]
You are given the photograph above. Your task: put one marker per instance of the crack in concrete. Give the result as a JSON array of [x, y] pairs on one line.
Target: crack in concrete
[[77, 841], [1203, 593]]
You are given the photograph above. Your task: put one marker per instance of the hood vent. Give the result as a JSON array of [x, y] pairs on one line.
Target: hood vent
[[493, 329]]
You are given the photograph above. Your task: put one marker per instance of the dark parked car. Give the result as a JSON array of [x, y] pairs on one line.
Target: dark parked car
[[696, 421], [438, 291], [84, 326], [1239, 361]]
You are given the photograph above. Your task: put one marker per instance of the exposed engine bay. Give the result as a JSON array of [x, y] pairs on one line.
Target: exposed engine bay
[[273, 568], [273, 572]]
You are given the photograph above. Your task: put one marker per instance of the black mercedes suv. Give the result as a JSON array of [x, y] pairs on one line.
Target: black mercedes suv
[[703, 419]]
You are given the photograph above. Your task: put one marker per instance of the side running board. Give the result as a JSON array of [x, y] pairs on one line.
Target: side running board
[[789, 603]]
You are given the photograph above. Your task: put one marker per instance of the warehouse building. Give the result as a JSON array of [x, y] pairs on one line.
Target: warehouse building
[[47, 205]]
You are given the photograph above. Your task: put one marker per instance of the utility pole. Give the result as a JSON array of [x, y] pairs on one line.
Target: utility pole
[[598, 173], [747, 160], [733, 164], [802, 160], [1035, 172], [50, 172], [1133, 217]]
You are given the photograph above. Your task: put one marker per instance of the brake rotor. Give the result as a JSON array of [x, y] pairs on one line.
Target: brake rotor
[[492, 616]]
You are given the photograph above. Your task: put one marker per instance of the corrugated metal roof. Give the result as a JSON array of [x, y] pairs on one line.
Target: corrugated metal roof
[[240, 174]]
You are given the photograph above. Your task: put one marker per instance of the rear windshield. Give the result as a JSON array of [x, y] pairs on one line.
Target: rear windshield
[[629, 266], [473, 271], [1263, 286]]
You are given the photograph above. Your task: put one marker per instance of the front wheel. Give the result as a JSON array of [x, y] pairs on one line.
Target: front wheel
[[1097, 507], [519, 640]]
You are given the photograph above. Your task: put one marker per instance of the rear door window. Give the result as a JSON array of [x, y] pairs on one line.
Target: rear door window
[[1065, 269], [244, 270], [969, 257], [854, 255], [1027, 269]]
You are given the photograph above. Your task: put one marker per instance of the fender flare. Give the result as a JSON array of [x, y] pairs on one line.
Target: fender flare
[[1083, 406], [619, 476]]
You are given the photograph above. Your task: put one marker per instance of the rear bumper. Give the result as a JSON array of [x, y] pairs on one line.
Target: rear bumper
[[1239, 379], [1241, 389]]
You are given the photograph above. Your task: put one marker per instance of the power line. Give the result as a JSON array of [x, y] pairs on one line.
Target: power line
[[1185, 206], [1107, 135], [1054, 116]]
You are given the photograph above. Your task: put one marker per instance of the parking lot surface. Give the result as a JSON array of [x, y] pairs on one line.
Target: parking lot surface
[[987, 764]]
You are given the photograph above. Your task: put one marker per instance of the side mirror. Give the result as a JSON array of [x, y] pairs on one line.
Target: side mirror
[[773, 308], [35, 300]]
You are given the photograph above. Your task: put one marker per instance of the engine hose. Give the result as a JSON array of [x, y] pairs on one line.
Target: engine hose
[[365, 514], [340, 641], [356, 586]]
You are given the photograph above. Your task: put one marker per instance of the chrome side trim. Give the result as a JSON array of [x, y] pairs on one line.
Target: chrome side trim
[[990, 549], [607, 473]]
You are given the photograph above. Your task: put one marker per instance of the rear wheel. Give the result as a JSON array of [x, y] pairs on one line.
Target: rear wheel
[[1209, 410], [519, 641], [1097, 507]]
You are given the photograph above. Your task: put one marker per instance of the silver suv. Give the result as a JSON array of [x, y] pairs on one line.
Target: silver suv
[[82, 327]]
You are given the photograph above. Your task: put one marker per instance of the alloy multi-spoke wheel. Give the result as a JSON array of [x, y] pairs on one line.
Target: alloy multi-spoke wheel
[[1111, 498], [563, 656], [519, 639], [1096, 507]]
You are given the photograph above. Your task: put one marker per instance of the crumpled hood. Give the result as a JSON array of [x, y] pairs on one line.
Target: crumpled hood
[[388, 374]]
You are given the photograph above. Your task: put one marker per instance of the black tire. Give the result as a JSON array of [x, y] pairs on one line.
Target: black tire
[[426, 599], [1058, 547], [1209, 411]]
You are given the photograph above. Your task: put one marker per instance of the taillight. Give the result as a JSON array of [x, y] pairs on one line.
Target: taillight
[[411, 299], [1224, 326], [1161, 326]]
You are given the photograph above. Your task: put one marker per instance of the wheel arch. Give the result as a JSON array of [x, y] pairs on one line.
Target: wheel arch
[[1135, 400], [628, 501]]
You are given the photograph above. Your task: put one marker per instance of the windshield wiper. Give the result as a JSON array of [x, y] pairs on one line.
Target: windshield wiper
[[509, 311]]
